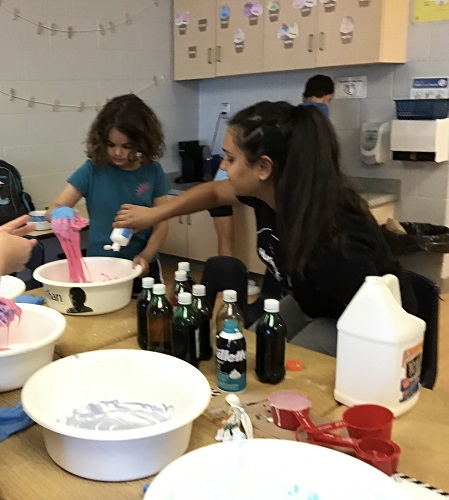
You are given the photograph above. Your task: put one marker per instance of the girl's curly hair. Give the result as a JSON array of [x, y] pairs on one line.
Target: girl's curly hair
[[132, 117]]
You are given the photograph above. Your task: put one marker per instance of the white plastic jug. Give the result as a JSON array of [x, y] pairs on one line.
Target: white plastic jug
[[379, 349]]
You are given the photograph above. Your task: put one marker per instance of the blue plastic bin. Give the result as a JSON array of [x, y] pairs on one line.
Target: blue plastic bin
[[422, 109]]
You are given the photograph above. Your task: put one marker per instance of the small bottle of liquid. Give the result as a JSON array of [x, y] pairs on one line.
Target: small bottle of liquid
[[204, 313], [270, 344], [181, 285], [159, 316], [185, 331], [231, 358], [142, 304], [120, 237], [185, 266], [229, 310]]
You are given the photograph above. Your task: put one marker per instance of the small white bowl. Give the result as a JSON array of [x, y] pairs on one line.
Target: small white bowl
[[37, 217], [30, 343], [272, 469], [70, 385], [11, 287], [109, 289]]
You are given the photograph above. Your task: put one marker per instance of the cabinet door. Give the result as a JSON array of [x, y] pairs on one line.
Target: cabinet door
[[239, 37], [194, 39], [362, 32], [176, 242], [290, 37], [202, 237], [246, 239]]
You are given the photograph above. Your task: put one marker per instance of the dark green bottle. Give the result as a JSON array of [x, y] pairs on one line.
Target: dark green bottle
[[204, 313], [159, 316], [142, 304], [185, 331]]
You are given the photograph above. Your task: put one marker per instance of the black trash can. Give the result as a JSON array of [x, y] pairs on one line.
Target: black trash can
[[420, 237]]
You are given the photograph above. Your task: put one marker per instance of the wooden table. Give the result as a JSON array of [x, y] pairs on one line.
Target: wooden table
[[27, 472]]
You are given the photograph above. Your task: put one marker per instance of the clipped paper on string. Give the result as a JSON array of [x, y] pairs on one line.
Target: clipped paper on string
[[31, 102], [16, 14], [53, 28], [101, 29], [128, 19], [70, 31], [12, 93], [40, 28], [56, 105], [81, 106], [111, 27]]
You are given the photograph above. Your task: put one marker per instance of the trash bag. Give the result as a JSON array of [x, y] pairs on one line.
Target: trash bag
[[420, 237]]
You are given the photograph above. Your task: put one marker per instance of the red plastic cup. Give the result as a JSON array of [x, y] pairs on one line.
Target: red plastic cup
[[368, 420], [381, 453], [283, 406]]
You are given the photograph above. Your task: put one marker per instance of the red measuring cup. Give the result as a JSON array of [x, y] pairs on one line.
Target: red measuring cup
[[284, 405]]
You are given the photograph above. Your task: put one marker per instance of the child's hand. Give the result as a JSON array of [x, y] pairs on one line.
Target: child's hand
[[15, 252], [143, 263], [18, 226], [135, 217]]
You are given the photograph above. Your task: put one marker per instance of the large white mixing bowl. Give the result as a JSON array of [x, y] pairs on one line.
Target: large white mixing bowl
[[70, 385], [30, 342], [109, 288]]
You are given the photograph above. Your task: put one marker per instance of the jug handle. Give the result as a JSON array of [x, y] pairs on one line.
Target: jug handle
[[393, 284]]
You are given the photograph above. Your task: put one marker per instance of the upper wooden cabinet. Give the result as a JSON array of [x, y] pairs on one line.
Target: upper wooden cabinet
[[233, 37]]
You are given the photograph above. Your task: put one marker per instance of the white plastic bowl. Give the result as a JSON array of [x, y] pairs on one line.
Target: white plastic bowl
[[11, 287], [110, 287], [38, 218], [271, 469], [31, 344], [72, 383]]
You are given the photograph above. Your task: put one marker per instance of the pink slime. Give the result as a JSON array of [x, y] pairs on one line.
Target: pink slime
[[68, 233], [8, 309]]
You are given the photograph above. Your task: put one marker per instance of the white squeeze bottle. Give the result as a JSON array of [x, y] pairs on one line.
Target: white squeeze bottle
[[120, 237], [379, 348]]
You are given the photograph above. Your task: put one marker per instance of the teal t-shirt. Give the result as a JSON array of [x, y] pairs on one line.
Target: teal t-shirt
[[105, 190]]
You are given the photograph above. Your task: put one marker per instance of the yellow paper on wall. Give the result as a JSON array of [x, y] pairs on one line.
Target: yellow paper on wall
[[431, 10]]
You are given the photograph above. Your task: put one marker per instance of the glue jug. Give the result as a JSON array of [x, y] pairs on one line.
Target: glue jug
[[379, 348]]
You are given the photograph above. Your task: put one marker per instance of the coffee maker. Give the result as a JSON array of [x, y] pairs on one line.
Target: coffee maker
[[191, 153]]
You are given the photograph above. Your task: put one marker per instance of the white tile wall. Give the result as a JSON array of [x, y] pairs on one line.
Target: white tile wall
[[47, 146]]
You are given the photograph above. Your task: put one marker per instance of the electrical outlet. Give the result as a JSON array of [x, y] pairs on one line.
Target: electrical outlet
[[225, 109]]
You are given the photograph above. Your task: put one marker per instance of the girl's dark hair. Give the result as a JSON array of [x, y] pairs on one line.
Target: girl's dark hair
[[133, 118], [310, 189]]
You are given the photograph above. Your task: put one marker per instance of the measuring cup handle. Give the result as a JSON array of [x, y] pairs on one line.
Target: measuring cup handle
[[304, 421], [332, 439], [339, 424]]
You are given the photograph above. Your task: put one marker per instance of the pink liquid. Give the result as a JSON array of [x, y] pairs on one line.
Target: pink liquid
[[68, 233]]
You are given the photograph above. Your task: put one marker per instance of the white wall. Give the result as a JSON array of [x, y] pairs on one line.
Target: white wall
[[46, 146], [424, 186]]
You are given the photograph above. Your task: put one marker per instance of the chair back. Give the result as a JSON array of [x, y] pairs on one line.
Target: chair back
[[427, 296], [223, 273]]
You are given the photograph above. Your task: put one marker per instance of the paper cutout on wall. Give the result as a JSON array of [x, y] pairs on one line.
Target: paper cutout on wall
[[252, 10], [192, 52], [202, 25], [273, 8], [225, 14], [182, 20], [239, 41], [329, 5], [304, 5], [347, 29], [288, 34]]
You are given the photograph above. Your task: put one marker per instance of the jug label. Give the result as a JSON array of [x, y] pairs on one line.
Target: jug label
[[411, 371]]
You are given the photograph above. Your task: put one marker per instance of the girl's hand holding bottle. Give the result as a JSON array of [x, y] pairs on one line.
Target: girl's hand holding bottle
[[135, 217]]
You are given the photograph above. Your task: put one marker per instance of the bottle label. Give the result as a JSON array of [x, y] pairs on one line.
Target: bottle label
[[231, 364], [411, 371], [126, 232]]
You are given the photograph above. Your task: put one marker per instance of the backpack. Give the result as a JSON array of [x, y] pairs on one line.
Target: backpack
[[13, 199]]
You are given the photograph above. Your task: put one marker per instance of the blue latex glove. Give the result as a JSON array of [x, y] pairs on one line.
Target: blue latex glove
[[13, 420], [63, 213], [30, 299]]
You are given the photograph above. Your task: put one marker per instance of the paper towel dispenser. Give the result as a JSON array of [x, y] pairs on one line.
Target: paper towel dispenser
[[420, 140]]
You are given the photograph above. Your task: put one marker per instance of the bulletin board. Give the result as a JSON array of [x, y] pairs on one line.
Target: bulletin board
[[431, 10]]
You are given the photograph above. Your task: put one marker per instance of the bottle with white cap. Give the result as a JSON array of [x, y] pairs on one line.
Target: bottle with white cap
[[204, 313], [181, 285], [270, 344], [229, 310], [120, 237], [185, 331], [185, 266], [159, 317], [142, 304]]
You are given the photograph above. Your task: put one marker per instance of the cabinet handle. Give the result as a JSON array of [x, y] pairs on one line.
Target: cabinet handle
[[322, 37], [310, 44], [189, 220], [218, 54], [209, 56]]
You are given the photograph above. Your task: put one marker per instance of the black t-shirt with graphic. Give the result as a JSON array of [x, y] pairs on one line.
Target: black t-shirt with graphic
[[335, 276]]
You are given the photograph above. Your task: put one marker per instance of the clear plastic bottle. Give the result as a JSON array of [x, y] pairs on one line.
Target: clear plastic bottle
[[185, 331], [229, 310], [142, 304], [120, 237], [181, 285], [159, 316], [185, 266], [204, 313], [231, 358], [270, 344]]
